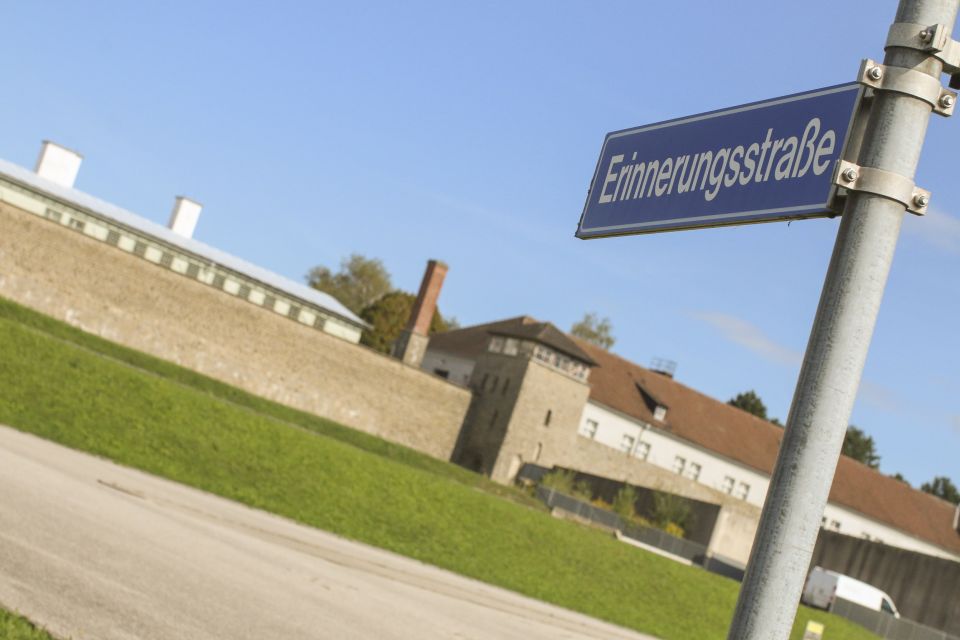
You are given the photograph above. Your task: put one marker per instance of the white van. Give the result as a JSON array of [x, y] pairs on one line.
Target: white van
[[823, 587]]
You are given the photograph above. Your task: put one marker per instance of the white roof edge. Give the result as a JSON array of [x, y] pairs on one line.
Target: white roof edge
[[135, 222]]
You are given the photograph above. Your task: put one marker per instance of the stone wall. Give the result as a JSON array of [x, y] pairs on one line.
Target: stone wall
[[736, 524], [532, 436], [123, 298], [925, 589]]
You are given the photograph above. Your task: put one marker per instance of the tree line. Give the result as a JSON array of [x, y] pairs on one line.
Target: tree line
[[856, 444]]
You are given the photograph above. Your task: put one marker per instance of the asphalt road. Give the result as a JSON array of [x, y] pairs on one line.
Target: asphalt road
[[89, 549]]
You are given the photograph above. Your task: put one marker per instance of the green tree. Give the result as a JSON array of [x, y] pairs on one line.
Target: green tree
[[942, 487], [624, 504], [389, 315], [360, 282], [560, 480], [599, 331], [899, 476], [859, 446], [671, 509], [750, 402]]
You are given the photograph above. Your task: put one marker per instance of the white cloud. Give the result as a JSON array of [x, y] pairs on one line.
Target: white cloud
[[936, 228], [878, 396], [751, 337]]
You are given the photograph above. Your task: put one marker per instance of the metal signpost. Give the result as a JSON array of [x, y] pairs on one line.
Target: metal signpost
[[879, 187]]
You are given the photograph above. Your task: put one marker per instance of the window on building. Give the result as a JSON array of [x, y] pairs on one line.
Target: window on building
[[511, 346], [140, 248], [835, 525], [660, 413], [269, 302], [166, 259], [483, 385], [679, 464], [506, 385], [443, 373], [219, 281], [77, 224], [243, 291], [546, 419], [496, 344], [53, 215], [743, 490], [493, 418], [643, 450], [113, 238], [590, 429], [496, 381], [626, 443], [193, 270], [693, 471], [727, 485]]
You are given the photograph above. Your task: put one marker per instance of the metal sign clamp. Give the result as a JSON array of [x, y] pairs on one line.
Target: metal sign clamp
[[886, 184], [933, 39], [909, 82]]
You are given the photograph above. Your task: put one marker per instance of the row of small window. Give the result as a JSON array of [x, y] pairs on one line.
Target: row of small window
[[736, 489], [681, 466], [506, 346], [511, 347], [628, 443], [833, 525], [559, 361], [686, 469], [193, 270]]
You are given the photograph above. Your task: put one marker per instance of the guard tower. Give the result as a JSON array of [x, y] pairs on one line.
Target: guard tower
[[530, 388]]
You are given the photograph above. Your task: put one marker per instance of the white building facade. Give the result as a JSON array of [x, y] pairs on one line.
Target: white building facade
[[656, 446]]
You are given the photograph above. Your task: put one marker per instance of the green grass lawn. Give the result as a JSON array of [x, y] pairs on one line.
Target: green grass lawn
[[13, 627], [91, 395]]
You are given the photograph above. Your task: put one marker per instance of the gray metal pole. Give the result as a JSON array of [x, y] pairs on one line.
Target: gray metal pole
[[836, 352]]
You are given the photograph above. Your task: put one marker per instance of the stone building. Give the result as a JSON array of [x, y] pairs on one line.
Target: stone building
[[544, 397]]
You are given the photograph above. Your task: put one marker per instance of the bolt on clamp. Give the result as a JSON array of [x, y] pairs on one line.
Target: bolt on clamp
[[886, 184]]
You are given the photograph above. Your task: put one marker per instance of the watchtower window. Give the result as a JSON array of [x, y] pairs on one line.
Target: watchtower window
[[546, 420]]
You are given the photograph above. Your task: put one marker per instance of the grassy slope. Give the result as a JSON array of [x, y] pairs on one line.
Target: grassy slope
[[13, 627], [179, 425]]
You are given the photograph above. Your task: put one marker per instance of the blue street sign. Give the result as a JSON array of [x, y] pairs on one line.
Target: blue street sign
[[759, 162]]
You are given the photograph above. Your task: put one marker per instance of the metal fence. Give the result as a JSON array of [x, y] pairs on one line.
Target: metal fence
[[885, 625], [880, 623], [686, 549]]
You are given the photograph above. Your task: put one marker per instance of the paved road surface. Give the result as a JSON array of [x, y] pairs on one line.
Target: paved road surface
[[89, 549]]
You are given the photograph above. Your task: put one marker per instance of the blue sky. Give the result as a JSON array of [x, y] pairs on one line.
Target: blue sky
[[469, 132]]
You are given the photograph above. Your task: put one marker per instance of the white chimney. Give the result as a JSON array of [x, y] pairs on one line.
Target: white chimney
[[183, 218], [58, 164]]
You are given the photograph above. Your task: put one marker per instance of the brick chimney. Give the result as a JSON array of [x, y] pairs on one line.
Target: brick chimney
[[412, 343]]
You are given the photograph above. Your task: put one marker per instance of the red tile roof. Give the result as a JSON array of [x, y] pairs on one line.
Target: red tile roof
[[734, 434], [743, 437]]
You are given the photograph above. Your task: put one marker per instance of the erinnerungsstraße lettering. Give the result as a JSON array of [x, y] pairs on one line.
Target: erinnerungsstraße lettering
[[709, 171]]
